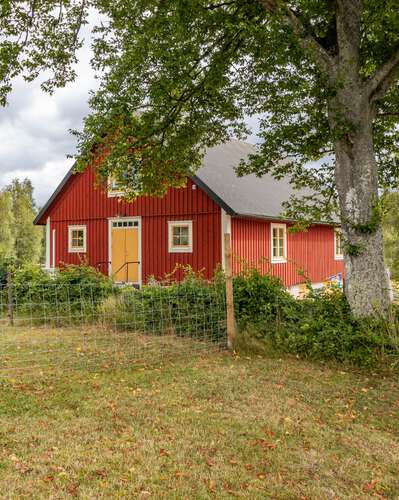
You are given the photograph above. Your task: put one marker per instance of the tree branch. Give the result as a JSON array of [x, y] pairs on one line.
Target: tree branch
[[306, 39], [384, 77], [219, 5]]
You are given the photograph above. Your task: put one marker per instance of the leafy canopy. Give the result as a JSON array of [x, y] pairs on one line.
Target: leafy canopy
[[39, 37], [179, 76]]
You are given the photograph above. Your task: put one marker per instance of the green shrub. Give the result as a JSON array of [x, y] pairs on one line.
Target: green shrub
[[70, 294], [191, 308], [319, 326], [259, 297]]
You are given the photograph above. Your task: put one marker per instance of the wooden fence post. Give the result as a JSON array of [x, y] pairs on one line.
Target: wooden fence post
[[10, 299], [231, 325]]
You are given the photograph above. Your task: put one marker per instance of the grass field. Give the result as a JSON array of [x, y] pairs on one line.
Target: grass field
[[215, 426]]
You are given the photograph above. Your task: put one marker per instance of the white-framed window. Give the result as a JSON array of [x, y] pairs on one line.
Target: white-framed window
[[278, 237], [77, 239], [338, 244], [114, 187], [180, 236]]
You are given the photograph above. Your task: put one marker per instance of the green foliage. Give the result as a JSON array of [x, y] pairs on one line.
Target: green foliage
[[7, 236], [319, 326], [191, 308], [182, 77], [39, 38], [391, 233], [27, 237], [257, 297], [70, 295]]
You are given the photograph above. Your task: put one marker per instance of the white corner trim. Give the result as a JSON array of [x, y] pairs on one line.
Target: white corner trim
[[278, 260], [180, 249], [337, 256], [53, 250], [225, 225], [48, 243], [80, 249]]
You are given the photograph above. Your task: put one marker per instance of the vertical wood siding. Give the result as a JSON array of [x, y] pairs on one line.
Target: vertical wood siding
[[311, 251], [83, 202]]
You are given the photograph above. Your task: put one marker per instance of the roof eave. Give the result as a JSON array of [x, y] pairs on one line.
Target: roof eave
[[49, 202], [201, 184], [280, 219]]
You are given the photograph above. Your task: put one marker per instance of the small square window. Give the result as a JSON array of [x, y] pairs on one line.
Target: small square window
[[279, 242], [180, 236], [77, 239], [338, 244]]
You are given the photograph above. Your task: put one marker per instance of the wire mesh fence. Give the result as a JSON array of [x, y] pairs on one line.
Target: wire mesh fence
[[73, 325]]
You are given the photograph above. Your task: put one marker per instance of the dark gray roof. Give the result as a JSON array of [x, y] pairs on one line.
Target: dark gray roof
[[245, 196], [248, 195]]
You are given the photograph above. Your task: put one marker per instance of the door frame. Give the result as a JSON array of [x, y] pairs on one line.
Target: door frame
[[125, 219]]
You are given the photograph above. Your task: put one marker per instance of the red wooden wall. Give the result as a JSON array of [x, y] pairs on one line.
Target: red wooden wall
[[312, 251], [82, 202]]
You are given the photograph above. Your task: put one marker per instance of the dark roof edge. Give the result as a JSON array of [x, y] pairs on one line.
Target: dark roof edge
[[282, 219], [194, 178], [54, 196], [201, 184]]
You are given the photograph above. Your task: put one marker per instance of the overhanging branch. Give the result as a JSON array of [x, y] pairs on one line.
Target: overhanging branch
[[384, 77], [306, 39]]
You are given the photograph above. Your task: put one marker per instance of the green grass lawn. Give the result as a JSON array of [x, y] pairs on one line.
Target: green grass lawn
[[210, 426]]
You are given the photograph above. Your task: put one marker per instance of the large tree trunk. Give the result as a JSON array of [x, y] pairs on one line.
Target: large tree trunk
[[366, 279]]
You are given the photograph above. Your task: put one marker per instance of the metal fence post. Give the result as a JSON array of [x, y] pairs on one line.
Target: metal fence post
[[10, 298], [231, 326]]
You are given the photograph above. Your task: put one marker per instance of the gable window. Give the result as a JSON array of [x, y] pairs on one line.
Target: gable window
[[76, 239], [338, 244], [279, 242], [114, 187], [180, 236]]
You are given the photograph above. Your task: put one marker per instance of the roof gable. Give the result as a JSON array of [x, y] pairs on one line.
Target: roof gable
[[249, 196]]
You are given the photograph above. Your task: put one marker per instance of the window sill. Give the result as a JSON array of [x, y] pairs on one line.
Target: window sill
[[180, 250], [337, 257], [79, 250], [115, 194], [279, 261]]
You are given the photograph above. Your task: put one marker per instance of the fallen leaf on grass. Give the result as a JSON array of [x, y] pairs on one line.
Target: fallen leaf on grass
[[212, 486], [100, 473], [265, 444]]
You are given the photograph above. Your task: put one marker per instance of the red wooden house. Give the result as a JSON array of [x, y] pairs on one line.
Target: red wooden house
[[132, 241]]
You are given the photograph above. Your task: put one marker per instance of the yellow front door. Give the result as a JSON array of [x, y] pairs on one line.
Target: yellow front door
[[125, 251]]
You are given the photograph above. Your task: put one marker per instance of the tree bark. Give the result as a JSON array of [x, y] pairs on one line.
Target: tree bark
[[366, 278]]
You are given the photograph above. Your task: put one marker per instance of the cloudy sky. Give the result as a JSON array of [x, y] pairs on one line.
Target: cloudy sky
[[34, 129]]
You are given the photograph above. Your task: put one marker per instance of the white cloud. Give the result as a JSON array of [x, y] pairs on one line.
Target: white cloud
[[34, 128], [45, 179]]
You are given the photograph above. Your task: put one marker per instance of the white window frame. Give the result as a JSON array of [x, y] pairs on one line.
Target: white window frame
[[80, 249], [337, 256], [278, 260], [111, 191], [179, 249]]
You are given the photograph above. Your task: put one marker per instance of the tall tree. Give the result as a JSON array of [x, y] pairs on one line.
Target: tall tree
[[182, 75], [39, 37], [27, 237], [391, 232], [7, 239]]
